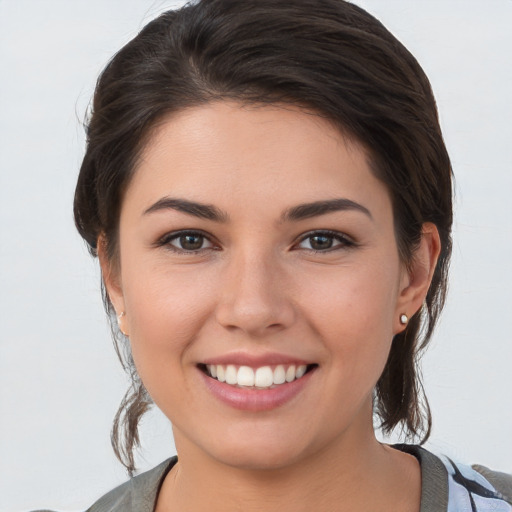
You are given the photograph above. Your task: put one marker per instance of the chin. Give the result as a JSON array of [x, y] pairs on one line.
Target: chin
[[269, 451], [255, 459]]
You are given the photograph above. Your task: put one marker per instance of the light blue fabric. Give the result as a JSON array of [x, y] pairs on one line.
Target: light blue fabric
[[469, 491]]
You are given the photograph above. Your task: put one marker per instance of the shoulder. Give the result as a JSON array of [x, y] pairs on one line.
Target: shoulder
[[450, 486], [137, 494]]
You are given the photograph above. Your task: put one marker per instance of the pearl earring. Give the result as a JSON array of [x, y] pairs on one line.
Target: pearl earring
[[404, 319]]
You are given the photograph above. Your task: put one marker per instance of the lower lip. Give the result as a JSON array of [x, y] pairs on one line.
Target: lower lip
[[256, 399]]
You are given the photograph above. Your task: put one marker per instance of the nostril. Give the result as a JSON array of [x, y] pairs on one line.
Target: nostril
[[255, 308]]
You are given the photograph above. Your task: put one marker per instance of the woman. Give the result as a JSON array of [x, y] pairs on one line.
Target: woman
[[269, 196]]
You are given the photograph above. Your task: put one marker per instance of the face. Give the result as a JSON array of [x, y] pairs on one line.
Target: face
[[260, 281]]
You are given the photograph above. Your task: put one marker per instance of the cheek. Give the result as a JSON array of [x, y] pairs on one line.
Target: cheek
[[358, 299], [166, 311], [353, 313]]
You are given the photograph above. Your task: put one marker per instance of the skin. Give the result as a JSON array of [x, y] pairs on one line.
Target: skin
[[256, 286]]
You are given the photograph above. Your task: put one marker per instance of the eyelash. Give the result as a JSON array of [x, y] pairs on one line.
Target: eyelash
[[166, 240], [344, 241], [170, 237]]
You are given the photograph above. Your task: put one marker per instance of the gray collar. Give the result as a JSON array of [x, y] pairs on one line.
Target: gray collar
[[140, 493], [434, 479]]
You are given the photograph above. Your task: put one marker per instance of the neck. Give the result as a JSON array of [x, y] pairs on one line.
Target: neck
[[353, 474]]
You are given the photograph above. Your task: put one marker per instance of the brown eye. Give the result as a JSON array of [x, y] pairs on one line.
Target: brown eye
[[191, 242], [188, 242], [325, 241], [320, 242]]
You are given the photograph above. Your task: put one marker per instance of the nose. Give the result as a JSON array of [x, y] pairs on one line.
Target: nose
[[255, 298]]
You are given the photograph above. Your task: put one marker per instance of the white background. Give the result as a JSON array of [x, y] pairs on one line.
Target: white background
[[60, 383]]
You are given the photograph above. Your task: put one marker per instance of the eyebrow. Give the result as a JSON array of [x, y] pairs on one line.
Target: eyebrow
[[203, 211], [299, 212], [308, 210]]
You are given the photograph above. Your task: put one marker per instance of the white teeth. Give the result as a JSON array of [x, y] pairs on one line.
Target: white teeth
[[231, 374], [245, 376], [290, 373], [263, 377], [301, 370], [279, 375], [220, 373]]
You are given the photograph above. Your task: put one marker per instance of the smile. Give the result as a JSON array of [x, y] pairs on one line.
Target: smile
[[245, 383], [263, 377]]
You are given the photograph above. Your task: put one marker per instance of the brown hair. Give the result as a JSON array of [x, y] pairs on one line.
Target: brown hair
[[327, 55]]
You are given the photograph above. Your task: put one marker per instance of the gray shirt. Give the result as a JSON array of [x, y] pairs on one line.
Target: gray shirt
[[446, 487]]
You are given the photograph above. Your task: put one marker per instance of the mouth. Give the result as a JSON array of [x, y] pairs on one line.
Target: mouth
[[259, 378]]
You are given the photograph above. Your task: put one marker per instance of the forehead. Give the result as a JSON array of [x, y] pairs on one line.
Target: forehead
[[273, 154]]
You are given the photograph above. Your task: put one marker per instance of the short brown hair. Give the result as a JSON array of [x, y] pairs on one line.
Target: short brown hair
[[327, 55]]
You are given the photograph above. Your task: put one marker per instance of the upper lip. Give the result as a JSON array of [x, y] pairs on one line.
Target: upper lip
[[255, 360]]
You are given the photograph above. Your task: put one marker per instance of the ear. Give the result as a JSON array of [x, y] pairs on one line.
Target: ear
[[111, 276], [417, 276]]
